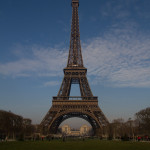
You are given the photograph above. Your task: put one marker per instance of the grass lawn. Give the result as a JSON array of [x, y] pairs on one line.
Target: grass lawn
[[75, 145]]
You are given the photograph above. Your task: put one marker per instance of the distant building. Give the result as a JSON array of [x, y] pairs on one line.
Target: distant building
[[84, 131], [66, 129]]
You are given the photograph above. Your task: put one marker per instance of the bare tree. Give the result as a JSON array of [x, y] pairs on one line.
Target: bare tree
[[143, 116], [10, 124]]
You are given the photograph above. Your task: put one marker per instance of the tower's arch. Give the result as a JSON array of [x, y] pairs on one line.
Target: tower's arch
[[53, 127]]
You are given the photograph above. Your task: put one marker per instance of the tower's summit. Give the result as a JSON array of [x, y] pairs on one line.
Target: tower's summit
[[75, 55], [76, 2]]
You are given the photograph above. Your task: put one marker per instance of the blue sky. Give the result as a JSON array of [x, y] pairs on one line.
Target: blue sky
[[34, 44]]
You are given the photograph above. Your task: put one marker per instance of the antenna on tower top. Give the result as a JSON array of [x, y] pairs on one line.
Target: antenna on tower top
[[75, 2]]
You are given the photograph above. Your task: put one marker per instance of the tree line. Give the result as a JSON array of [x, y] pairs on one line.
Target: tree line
[[16, 127], [131, 129]]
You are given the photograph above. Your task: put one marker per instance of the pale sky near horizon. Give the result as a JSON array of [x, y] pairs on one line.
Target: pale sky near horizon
[[34, 44]]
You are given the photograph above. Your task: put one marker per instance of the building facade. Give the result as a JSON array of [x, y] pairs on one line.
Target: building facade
[[83, 131]]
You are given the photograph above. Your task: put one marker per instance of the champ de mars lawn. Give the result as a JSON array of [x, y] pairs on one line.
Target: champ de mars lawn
[[74, 145]]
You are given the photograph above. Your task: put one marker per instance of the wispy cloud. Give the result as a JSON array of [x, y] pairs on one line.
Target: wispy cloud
[[42, 62], [117, 9], [51, 83], [120, 58], [125, 9]]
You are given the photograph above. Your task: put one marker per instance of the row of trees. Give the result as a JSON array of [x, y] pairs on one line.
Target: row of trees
[[131, 128], [14, 126]]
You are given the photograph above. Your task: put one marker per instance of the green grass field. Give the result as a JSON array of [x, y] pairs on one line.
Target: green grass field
[[75, 145]]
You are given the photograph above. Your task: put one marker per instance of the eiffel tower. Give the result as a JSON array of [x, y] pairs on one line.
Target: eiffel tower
[[63, 105]]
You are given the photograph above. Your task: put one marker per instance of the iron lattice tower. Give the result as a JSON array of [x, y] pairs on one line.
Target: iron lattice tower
[[64, 106]]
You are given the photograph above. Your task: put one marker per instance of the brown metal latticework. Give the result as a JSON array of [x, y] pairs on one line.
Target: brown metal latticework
[[64, 106]]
